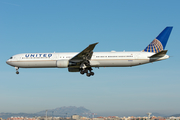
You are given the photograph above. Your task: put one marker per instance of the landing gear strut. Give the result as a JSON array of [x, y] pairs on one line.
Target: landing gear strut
[[17, 72]]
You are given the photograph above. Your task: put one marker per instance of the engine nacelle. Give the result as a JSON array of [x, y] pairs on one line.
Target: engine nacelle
[[73, 69], [72, 63], [62, 63]]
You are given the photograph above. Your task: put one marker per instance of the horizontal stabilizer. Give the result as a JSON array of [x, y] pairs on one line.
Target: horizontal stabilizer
[[159, 54]]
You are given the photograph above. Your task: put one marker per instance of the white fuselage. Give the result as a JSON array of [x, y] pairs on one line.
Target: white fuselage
[[99, 59]]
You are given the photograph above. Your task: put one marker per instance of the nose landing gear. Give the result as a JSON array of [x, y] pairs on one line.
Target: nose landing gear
[[17, 68]]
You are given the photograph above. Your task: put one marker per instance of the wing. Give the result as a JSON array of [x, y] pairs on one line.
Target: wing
[[86, 54]]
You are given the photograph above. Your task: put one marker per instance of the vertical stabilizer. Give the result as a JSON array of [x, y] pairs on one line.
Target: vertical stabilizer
[[159, 43]]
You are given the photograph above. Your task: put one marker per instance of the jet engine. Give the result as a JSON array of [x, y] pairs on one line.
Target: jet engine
[[73, 69], [62, 63], [65, 63]]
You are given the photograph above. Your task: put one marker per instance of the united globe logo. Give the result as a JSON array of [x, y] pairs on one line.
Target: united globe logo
[[155, 46]]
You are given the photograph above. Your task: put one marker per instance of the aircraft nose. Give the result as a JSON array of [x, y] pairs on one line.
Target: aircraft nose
[[7, 62]]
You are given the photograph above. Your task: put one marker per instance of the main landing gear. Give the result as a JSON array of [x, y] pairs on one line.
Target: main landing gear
[[17, 72], [88, 71], [85, 68]]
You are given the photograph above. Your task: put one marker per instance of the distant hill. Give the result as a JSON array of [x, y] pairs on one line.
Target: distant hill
[[158, 114], [175, 115], [58, 112], [63, 111]]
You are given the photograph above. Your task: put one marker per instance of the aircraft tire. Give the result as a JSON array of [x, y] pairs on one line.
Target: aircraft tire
[[82, 72], [92, 73], [88, 74]]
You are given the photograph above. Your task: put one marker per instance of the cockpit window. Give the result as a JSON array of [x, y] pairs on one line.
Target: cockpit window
[[11, 58]]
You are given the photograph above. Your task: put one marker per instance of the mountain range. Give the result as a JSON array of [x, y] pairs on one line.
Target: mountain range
[[175, 115], [58, 112], [66, 111]]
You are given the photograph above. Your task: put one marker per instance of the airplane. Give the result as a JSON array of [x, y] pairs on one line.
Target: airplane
[[84, 61]]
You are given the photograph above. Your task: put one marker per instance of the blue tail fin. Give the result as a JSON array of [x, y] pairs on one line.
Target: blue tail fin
[[159, 43]]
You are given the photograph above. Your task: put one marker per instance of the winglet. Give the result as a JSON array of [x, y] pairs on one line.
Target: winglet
[[90, 47], [159, 43]]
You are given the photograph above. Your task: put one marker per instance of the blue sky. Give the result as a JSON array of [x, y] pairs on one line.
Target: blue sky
[[70, 26]]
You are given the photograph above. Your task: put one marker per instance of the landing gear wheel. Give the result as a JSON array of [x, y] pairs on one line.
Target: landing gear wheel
[[87, 70], [88, 74], [17, 68], [82, 72], [92, 73]]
